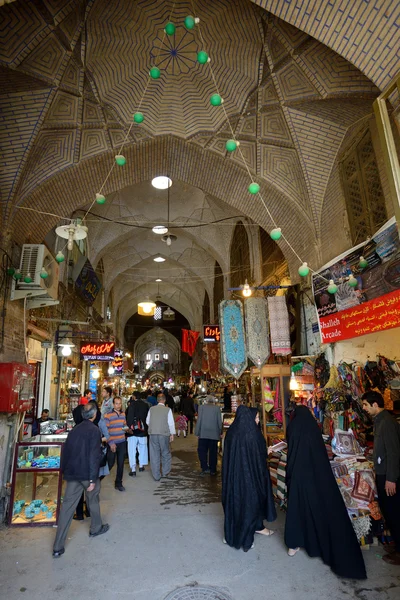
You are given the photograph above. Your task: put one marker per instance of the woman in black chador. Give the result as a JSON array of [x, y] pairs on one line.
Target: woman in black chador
[[316, 518], [246, 486]]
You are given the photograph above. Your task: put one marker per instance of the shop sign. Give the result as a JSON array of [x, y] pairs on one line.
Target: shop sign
[[372, 306], [211, 333], [118, 362], [97, 350]]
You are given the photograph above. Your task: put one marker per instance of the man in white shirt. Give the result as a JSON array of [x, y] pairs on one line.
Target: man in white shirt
[[160, 421]]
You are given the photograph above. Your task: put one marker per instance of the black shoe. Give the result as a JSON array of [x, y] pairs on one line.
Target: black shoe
[[213, 473], [132, 473], [58, 553], [76, 518], [120, 488], [104, 529], [141, 469], [203, 473]]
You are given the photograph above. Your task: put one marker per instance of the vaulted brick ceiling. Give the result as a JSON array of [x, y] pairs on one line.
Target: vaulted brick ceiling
[[72, 73]]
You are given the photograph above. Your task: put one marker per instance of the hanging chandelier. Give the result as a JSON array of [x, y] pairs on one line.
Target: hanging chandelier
[[146, 308]]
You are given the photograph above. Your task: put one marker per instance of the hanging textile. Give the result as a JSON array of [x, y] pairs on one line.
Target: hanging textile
[[197, 356], [189, 339], [213, 358], [233, 347], [257, 337], [279, 325], [204, 359]]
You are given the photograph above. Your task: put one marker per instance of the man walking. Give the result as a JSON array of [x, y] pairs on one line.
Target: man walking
[[80, 464], [106, 394], [136, 415], [208, 430], [387, 467], [116, 425], [151, 398], [187, 408], [161, 430]]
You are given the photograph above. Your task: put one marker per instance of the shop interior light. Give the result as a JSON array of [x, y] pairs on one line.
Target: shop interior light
[[160, 229], [247, 291], [293, 385], [162, 182]]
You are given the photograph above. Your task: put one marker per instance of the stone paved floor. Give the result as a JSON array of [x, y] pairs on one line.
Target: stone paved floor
[[168, 535]]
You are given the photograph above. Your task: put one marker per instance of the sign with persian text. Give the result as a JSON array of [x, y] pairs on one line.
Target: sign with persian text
[[97, 350], [211, 333], [87, 284], [372, 306], [118, 362]]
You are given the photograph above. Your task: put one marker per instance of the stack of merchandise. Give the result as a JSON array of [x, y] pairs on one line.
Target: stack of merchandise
[[277, 461]]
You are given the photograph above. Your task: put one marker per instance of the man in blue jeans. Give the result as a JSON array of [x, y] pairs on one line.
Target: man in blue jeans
[[208, 430], [116, 425]]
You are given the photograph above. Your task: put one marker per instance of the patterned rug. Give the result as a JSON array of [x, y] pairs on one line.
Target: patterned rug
[[257, 336], [233, 347], [197, 359], [213, 358], [279, 325]]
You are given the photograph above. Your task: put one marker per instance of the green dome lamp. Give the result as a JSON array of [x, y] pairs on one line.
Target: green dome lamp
[[332, 287], [352, 281], [276, 234], [120, 160], [60, 257], [231, 145], [17, 275], [10, 271], [155, 73], [28, 278], [254, 188], [170, 28], [138, 117], [363, 264], [304, 270], [216, 100], [100, 199], [43, 273], [191, 22], [202, 57]]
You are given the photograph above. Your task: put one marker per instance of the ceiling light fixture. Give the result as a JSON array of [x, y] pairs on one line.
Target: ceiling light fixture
[[159, 259], [158, 280], [161, 182], [247, 291], [146, 308], [160, 229], [72, 232]]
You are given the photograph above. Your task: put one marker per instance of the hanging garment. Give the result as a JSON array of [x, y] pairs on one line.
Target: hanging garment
[[213, 358], [246, 486], [317, 519], [189, 340], [279, 325]]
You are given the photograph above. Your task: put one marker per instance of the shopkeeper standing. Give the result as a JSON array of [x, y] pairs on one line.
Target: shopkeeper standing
[[387, 467]]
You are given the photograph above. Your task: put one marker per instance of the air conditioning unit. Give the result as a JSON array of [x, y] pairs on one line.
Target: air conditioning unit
[[39, 292]]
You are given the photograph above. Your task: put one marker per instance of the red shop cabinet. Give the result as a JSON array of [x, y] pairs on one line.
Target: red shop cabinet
[[16, 387]]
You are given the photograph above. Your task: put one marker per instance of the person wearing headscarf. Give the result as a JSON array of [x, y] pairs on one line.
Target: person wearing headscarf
[[246, 486], [317, 519]]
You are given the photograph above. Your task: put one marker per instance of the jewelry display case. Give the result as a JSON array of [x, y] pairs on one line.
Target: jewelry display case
[[36, 482]]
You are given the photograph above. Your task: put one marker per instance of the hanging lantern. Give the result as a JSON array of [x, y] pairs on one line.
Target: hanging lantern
[[304, 270], [146, 308], [332, 287], [276, 234], [363, 264], [254, 188], [352, 281]]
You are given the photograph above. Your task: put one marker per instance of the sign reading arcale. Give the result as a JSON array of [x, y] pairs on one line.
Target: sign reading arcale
[[374, 305], [97, 350]]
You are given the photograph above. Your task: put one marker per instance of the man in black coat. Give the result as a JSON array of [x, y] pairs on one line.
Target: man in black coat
[[187, 408], [136, 415], [80, 464]]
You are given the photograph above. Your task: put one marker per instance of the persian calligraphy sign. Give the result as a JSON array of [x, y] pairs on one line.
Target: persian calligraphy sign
[[374, 305], [97, 350]]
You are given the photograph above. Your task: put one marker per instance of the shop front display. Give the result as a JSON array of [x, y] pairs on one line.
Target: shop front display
[[36, 482]]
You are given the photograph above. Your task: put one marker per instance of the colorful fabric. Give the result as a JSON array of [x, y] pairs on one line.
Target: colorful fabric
[[364, 486], [279, 325], [233, 347], [213, 358], [257, 335], [189, 340], [204, 359], [181, 423], [197, 358]]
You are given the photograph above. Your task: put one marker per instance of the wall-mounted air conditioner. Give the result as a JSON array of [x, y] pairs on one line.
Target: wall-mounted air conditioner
[[40, 291]]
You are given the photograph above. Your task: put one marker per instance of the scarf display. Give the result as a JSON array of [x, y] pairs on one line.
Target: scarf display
[[279, 325], [233, 346], [257, 336], [189, 340]]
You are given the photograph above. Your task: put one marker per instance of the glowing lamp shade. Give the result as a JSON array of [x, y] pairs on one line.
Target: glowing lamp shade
[[160, 229], [161, 182], [66, 351], [66, 347], [159, 259], [158, 280], [95, 373], [247, 291], [111, 370], [146, 308], [293, 385]]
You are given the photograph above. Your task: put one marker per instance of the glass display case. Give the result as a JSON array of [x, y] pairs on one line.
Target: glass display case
[[36, 483]]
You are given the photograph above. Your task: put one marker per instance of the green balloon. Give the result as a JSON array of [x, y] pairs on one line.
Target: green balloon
[[44, 274], [28, 279], [254, 188], [276, 234], [216, 100], [304, 270], [190, 22], [60, 257], [202, 57], [155, 73], [231, 145], [100, 199], [120, 160], [170, 29], [138, 117]]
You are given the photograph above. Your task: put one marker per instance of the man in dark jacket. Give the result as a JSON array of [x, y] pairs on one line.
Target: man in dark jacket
[[136, 415], [80, 464], [208, 430], [387, 467], [187, 409]]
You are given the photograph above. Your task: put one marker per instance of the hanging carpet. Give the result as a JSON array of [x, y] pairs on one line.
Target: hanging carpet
[[197, 359], [233, 346], [213, 358], [279, 325], [257, 336]]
